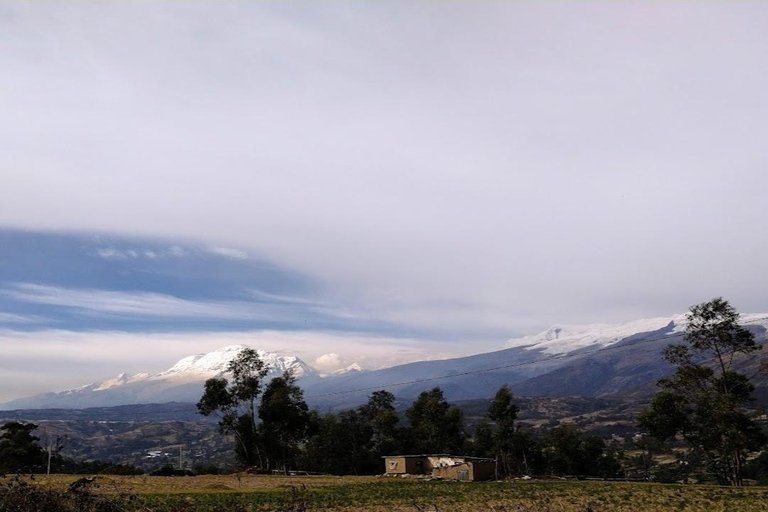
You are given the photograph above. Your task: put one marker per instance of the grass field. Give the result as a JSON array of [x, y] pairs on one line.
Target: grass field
[[256, 493]]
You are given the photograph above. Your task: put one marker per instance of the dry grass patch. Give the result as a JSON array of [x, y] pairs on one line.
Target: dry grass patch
[[243, 493]]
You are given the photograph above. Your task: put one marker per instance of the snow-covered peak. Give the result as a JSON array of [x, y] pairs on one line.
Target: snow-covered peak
[[196, 368], [212, 362], [562, 339], [119, 380], [217, 362], [353, 368]]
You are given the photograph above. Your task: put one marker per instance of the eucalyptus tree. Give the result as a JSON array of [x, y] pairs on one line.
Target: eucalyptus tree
[[436, 426], [234, 402], [285, 421], [703, 402]]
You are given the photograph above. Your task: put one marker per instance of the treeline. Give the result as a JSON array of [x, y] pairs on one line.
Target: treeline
[[20, 452], [280, 433], [700, 410], [353, 442]]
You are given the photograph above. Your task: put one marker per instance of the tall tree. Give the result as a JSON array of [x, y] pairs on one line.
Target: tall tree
[[436, 426], [19, 451], [503, 412], [380, 414], [285, 420], [566, 450], [353, 442], [704, 400], [235, 404]]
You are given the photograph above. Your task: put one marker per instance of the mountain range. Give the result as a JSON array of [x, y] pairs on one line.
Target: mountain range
[[599, 360]]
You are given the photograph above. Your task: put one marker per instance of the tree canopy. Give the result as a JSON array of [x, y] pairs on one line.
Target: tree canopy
[[235, 404], [703, 401], [436, 426], [19, 450]]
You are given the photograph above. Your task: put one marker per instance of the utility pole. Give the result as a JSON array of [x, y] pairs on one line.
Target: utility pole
[[60, 443], [50, 455], [181, 460]]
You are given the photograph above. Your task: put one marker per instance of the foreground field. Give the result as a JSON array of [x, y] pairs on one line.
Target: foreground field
[[257, 493]]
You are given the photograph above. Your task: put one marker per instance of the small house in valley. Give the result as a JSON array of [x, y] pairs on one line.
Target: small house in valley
[[448, 467]]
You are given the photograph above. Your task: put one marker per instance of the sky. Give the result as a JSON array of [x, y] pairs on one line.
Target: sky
[[372, 182]]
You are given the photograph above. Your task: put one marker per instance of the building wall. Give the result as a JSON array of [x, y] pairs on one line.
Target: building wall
[[484, 470], [395, 465], [449, 468], [467, 471], [441, 461], [404, 465], [455, 472], [415, 465]]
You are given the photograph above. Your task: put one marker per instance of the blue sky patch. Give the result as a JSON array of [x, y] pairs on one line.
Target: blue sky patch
[[67, 281]]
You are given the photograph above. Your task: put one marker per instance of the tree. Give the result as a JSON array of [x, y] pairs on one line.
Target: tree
[[569, 451], [235, 404], [703, 401], [380, 414], [19, 451], [504, 413], [285, 420], [353, 441], [436, 427], [325, 451]]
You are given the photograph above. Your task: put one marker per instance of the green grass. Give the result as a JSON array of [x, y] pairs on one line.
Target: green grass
[[454, 496]]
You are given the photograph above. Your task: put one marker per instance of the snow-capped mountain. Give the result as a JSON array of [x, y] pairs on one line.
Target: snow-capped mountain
[[183, 382], [562, 339], [563, 360], [353, 368], [216, 363], [568, 338]]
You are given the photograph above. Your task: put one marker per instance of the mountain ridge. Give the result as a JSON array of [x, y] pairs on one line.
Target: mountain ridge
[[179, 383], [563, 360]]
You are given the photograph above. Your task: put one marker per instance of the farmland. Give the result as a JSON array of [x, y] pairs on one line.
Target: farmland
[[251, 492]]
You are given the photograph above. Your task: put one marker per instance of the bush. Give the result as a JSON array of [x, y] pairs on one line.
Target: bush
[[17, 495], [169, 470]]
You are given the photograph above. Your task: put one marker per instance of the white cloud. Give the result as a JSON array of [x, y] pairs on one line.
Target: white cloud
[[176, 251], [327, 363], [125, 303], [227, 252], [497, 156], [13, 318], [272, 308], [115, 253], [146, 304], [112, 253]]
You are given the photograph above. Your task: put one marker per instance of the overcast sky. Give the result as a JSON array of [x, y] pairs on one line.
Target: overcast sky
[[439, 176]]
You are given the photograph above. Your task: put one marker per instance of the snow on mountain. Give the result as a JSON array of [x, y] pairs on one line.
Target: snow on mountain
[[216, 362], [527, 359], [121, 379], [204, 366], [353, 368], [563, 339], [182, 382]]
